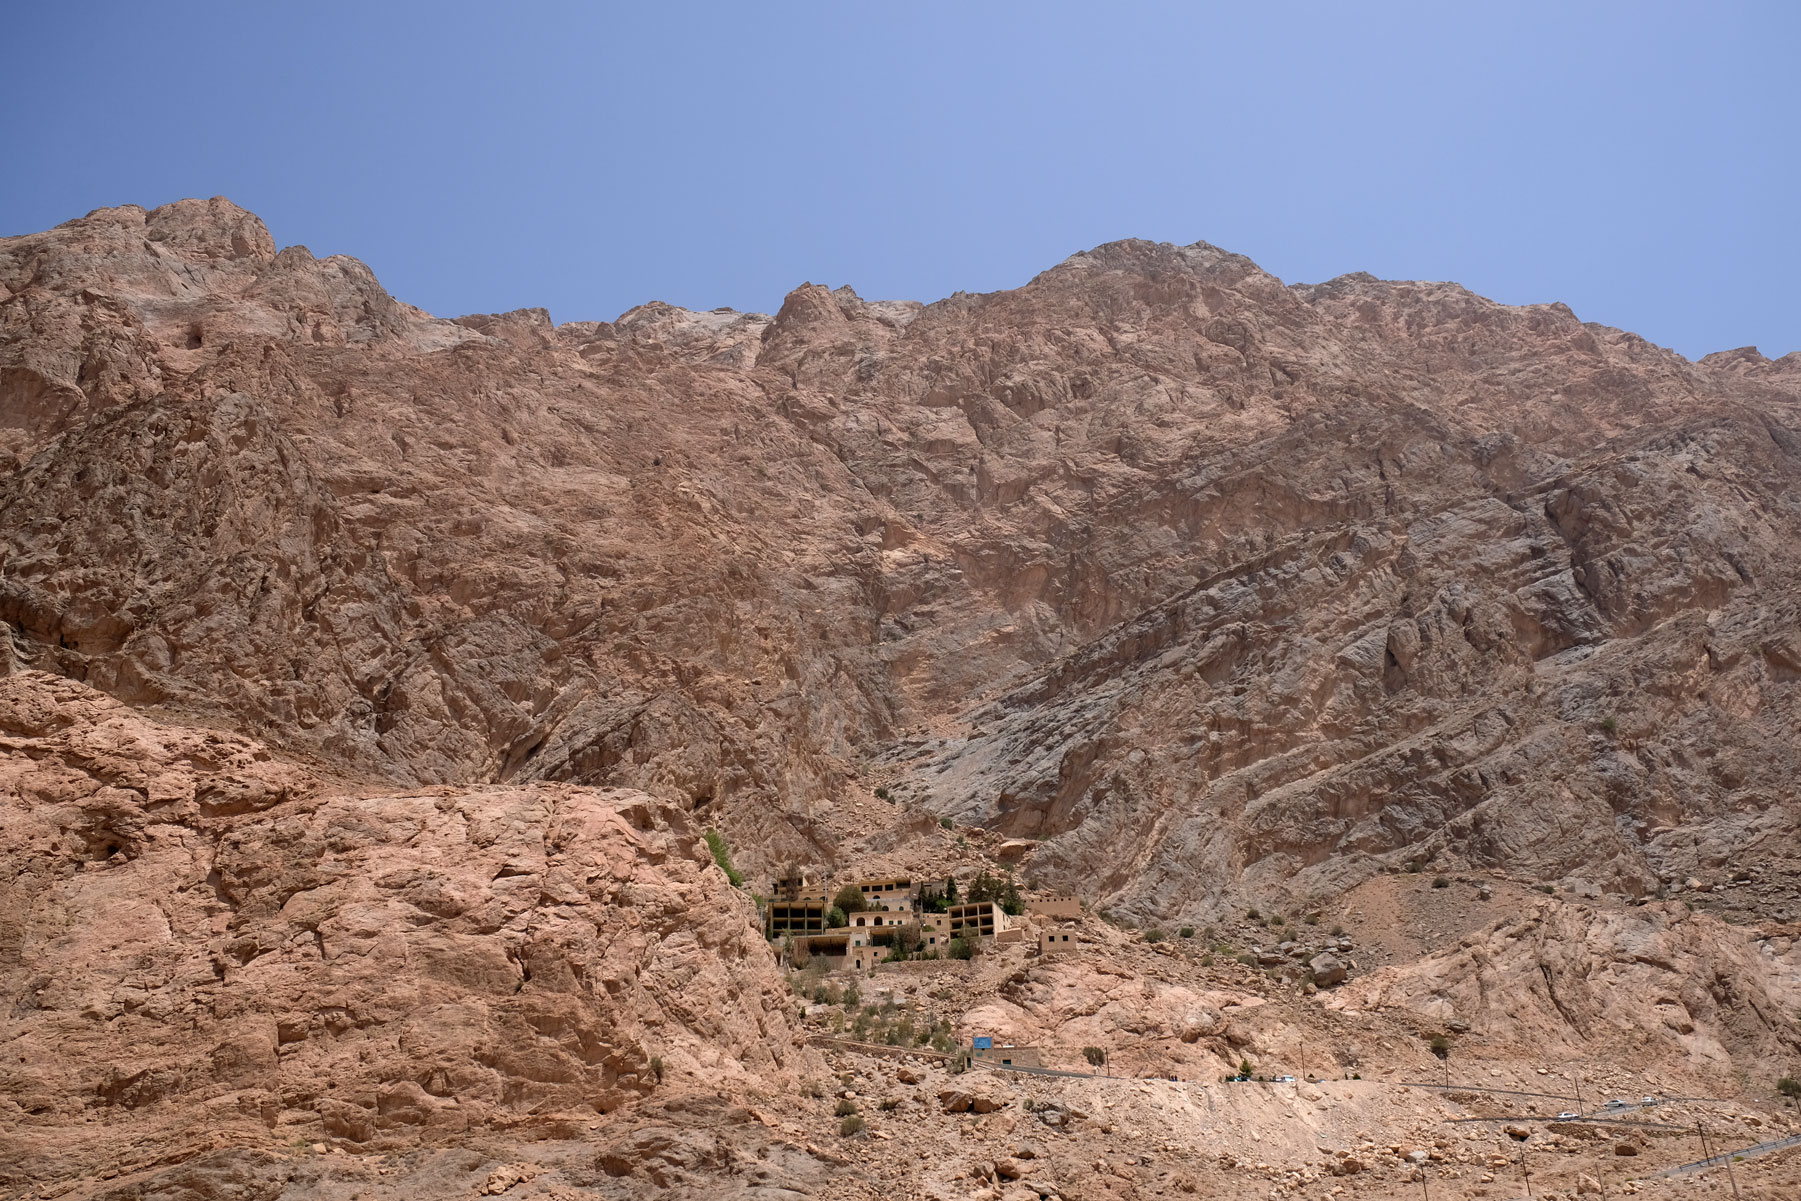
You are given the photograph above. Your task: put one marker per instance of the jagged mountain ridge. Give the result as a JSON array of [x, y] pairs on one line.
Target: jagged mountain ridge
[[1222, 586]]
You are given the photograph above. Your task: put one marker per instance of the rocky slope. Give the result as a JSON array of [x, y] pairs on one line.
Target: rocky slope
[[200, 941]]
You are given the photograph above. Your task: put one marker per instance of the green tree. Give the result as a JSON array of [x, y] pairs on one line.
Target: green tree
[[1012, 904], [834, 917], [850, 898], [722, 855], [1095, 1056]]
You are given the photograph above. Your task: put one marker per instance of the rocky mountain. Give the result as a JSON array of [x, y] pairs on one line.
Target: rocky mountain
[[341, 636], [1269, 585]]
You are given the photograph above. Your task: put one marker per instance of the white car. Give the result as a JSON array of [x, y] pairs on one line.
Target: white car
[[1649, 1101], [1566, 1115], [1618, 1103]]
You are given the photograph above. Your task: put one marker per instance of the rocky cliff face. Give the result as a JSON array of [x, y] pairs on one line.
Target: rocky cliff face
[[199, 939], [367, 680], [1217, 586]]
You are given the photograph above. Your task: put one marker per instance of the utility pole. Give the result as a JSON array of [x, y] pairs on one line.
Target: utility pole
[[1730, 1176], [1577, 1078], [1524, 1174], [1424, 1172]]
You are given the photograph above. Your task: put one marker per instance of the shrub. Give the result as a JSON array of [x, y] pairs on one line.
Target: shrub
[[882, 792], [850, 1126], [1441, 1046], [1246, 1067], [1788, 1086], [1154, 934], [906, 940], [1248, 959], [656, 1067], [1313, 919], [1207, 960], [945, 822], [1275, 919], [1609, 724], [1441, 881], [890, 1104], [1186, 932], [1096, 1056], [722, 855], [960, 948], [1547, 889], [852, 998], [845, 1107], [1252, 915], [1337, 931]]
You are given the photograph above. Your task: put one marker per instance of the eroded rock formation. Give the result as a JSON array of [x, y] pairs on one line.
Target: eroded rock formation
[[369, 677]]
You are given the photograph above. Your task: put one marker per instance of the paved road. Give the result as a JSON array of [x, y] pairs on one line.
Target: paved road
[[1751, 1152]]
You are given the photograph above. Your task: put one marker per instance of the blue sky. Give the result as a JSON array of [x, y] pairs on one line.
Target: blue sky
[[1639, 162]]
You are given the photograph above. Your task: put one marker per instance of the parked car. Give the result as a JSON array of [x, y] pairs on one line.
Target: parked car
[[1284, 1080], [1566, 1115], [1649, 1101]]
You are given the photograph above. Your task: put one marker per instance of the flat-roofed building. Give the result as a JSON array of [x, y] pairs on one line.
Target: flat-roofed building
[[1009, 1055], [891, 893], [794, 917], [832, 947], [878, 918], [1057, 907], [1055, 939], [980, 919], [797, 887]]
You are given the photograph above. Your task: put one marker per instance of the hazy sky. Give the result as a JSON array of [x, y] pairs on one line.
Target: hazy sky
[[1638, 161]]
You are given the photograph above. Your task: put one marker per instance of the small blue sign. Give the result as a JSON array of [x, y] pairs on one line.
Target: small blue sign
[[982, 1042]]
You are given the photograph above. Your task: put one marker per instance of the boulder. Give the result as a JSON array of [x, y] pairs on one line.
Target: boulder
[[1328, 969]]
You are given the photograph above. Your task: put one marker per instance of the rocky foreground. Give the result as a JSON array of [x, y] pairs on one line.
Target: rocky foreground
[[370, 679]]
